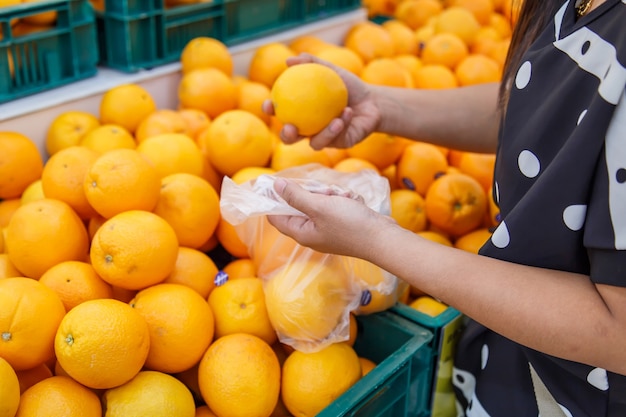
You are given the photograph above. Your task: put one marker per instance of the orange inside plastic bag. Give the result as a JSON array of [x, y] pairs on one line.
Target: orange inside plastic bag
[[309, 295]]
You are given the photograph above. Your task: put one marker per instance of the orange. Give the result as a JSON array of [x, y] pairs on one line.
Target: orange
[[379, 7], [477, 69], [75, 282], [9, 389], [499, 51], [30, 377], [308, 43], [370, 41], [63, 176], [268, 62], [59, 395], [378, 287], [107, 137], [239, 307], [444, 49], [353, 164], [94, 224], [30, 313], [381, 149], [410, 62], [126, 105], [309, 301], [511, 10], [121, 180], [480, 166], [229, 239], [161, 121], [485, 40], [311, 381], [403, 37], [7, 269], [297, 154], [309, 96], [40, 19], [196, 121], [134, 249], [473, 241], [354, 330], [428, 305], [436, 237], [435, 77], [335, 154], [240, 268], [494, 210], [251, 173], [501, 24], [102, 343], [422, 35], [33, 192], [43, 233], [343, 58], [238, 139], [181, 326], [387, 72], [456, 203], [230, 386], [419, 165], [250, 97], [20, 164], [191, 206], [206, 52], [269, 249], [459, 21], [68, 128], [390, 174], [481, 9], [7, 208], [173, 153], [408, 209], [366, 365], [194, 269], [209, 90], [415, 13], [204, 411], [149, 394]]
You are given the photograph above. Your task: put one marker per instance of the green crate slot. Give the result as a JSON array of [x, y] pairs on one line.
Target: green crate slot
[[249, 19], [43, 60], [435, 325], [144, 34], [321, 9], [400, 385]]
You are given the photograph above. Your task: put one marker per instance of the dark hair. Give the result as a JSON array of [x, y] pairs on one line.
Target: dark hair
[[533, 17]]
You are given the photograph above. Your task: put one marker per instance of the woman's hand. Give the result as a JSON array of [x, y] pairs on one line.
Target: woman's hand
[[332, 223], [357, 121]]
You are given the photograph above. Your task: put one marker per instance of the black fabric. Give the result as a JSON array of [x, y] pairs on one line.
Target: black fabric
[[560, 183]]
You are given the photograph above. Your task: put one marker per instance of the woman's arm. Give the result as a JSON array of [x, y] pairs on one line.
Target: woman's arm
[[465, 118], [559, 313]]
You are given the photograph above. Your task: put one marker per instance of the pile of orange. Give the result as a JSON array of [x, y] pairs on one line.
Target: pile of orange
[[109, 235]]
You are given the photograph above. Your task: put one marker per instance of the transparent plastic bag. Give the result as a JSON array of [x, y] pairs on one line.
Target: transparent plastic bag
[[309, 295]]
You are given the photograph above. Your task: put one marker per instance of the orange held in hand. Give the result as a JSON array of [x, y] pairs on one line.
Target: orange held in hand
[[309, 96]]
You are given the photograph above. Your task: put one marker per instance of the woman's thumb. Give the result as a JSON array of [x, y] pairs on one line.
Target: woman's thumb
[[292, 193]]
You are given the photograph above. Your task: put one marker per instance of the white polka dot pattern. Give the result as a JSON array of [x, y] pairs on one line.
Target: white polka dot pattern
[[529, 164], [500, 237], [523, 75], [574, 216]]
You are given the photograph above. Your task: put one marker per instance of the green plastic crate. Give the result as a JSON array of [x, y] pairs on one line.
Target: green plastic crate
[[143, 34], [446, 329], [320, 9], [43, 60], [401, 383], [247, 20]]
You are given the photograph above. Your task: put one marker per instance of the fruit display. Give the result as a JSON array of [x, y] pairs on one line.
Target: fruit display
[[123, 290]]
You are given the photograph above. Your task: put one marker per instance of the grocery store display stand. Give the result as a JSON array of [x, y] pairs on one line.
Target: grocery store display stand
[[33, 114]]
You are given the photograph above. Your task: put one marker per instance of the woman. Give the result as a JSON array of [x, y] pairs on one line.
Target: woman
[[547, 298]]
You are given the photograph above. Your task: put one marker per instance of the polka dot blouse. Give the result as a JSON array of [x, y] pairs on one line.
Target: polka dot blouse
[[560, 182]]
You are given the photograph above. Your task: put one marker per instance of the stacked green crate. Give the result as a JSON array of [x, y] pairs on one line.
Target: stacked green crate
[[56, 55]]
